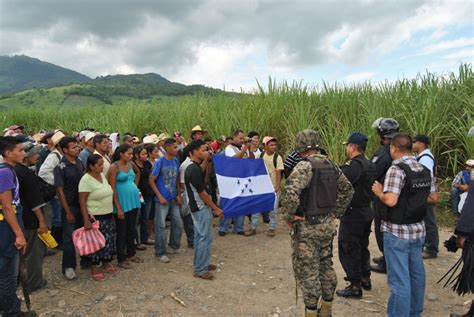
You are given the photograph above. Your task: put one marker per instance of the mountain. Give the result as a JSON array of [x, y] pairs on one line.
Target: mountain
[[22, 72]]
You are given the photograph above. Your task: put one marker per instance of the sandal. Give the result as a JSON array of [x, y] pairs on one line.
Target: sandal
[[125, 265], [98, 276], [136, 259], [111, 269]]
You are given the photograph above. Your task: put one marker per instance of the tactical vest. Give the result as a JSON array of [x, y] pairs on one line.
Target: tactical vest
[[320, 198], [363, 187], [411, 206]]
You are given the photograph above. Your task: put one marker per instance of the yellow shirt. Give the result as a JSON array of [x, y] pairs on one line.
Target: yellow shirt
[[268, 159], [99, 201]]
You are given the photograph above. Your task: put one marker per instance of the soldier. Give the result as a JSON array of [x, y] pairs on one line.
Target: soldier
[[387, 128], [354, 229], [317, 193]]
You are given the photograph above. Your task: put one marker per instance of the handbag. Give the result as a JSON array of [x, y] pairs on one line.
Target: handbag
[[88, 241]]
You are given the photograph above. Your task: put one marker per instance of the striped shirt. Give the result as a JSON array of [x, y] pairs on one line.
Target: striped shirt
[[394, 182], [291, 160]]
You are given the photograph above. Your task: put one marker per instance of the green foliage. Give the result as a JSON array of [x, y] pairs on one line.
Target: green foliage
[[23, 72]]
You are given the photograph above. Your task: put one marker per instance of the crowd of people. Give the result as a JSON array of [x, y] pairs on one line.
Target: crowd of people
[[133, 186]]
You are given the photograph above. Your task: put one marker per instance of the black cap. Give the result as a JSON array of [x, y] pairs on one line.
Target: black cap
[[357, 138], [422, 138]]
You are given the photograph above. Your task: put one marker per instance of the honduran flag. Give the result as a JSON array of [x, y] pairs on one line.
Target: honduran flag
[[244, 186]]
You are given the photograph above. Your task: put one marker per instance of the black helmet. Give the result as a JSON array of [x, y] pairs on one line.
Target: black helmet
[[386, 127]]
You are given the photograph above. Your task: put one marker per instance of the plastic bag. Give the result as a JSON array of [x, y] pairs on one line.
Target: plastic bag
[[88, 241]]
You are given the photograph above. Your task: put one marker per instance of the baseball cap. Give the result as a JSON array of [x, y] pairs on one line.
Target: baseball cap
[[31, 149], [470, 162], [89, 136], [268, 139], [356, 138], [83, 134], [422, 138]]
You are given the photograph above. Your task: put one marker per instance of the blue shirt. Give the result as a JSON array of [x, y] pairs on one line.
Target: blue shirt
[[166, 173]]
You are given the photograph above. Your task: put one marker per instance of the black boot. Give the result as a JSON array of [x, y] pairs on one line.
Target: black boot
[[379, 268], [378, 259], [366, 284], [352, 291]]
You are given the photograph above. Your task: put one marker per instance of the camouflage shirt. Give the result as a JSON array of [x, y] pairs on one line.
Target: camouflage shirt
[[300, 179]]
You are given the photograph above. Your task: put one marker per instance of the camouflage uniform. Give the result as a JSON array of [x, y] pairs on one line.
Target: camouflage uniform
[[312, 244]]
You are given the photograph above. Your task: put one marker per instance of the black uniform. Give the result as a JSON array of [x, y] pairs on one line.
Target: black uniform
[[382, 161], [355, 224]]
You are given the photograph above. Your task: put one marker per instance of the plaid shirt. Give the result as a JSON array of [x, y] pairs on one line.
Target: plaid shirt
[[394, 182]]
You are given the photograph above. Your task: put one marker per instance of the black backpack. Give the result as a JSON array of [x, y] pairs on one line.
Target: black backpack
[[48, 191]]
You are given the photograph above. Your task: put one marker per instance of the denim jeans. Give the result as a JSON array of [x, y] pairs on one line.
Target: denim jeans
[[9, 303], [405, 274], [202, 240], [56, 213], [273, 216], [432, 234], [238, 224], [161, 211], [143, 219], [69, 252]]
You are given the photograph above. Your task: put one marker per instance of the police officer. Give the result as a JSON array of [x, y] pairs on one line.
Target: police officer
[[387, 128], [354, 229], [317, 193]]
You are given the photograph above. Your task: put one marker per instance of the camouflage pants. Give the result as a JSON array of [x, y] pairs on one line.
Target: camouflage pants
[[312, 261]]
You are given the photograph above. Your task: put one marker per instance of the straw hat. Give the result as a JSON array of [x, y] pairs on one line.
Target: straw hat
[[57, 136], [153, 138], [197, 129], [163, 136]]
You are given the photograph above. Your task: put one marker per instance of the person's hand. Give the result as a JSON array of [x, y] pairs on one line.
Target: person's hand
[[219, 213], [162, 200], [43, 227], [87, 224], [277, 190], [20, 243], [179, 200], [464, 187], [121, 214], [70, 218], [377, 189], [460, 241]]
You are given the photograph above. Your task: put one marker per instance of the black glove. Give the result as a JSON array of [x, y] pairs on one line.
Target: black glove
[[450, 244]]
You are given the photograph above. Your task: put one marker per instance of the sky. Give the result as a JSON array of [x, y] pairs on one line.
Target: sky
[[232, 45]]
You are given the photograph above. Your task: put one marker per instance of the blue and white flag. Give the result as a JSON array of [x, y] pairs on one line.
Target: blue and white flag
[[244, 186]]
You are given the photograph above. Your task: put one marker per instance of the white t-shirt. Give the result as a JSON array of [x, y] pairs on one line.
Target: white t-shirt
[[182, 169], [231, 150]]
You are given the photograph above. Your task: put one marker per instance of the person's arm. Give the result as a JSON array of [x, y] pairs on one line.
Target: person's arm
[[299, 179], [85, 213], [62, 199], [242, 152], [10, 217], [388, 198], [206, 198], [345, 191], [179, 198], [43, 227], [196, 180], [113, 183], [153, 177], [137, 173]]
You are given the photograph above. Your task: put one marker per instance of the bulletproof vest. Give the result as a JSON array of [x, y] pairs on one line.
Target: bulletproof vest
[[320, 197], [363, 187], [411, 206], [382, 161]]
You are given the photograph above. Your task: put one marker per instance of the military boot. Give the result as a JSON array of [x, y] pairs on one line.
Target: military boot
[[353, 290], [326, 309], [366, 283], [310, 312]]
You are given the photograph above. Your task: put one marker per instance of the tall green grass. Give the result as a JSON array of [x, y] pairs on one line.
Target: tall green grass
[[442, 107]]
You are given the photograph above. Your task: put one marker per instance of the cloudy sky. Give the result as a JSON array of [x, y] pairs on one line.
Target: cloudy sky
[[233, 44]]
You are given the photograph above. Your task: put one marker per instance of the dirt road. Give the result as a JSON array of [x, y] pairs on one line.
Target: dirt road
[[254, 278]]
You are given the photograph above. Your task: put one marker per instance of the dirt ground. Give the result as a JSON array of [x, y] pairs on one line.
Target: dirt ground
[[254, 278]]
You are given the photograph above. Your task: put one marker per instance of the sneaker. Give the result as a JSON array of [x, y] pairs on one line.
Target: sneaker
[[205, 276], [164, 259], [378, 259], [175, 251], [222, 233], [351, 291], [271, 232], [140, 247], [70, 274], [251, 232]]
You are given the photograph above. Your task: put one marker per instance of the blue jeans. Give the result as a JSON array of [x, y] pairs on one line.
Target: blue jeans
[[202, 240], [9, 303], [143, 219], [405, 274], [56, 212], [238, 224], [69, 252], [273, 216], [161, 211], [455, 199]]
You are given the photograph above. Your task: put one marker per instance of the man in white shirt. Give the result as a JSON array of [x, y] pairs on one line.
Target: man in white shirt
[[188, 224], [421, 144]]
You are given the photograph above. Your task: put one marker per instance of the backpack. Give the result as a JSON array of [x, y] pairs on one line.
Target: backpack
[[432, 158]]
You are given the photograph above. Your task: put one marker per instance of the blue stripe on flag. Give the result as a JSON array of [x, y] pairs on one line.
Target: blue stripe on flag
[[237, 167], [241, 206]]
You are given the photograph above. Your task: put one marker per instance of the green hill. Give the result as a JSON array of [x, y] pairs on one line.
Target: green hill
[[22, 72]]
